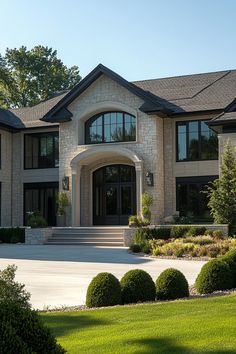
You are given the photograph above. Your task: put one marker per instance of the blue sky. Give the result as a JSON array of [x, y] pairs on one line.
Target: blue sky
[[136, 38]]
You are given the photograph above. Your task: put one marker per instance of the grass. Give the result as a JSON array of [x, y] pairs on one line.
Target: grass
[[206, 325]]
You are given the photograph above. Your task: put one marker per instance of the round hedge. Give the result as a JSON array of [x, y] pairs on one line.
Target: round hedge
[[22, 331], [230, 259], [104, 290], [214, 275], [137, 286], [171, 284]]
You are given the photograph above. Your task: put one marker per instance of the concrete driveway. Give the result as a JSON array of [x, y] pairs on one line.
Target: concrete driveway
[[59, 275]]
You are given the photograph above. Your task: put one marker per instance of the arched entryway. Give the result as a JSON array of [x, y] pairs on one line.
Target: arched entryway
[[114, 194]]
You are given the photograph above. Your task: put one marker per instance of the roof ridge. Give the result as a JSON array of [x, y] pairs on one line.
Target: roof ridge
[[187, 75]]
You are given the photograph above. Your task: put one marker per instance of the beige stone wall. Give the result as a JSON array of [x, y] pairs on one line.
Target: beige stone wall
[[5, 177], [175, 169], [105, 94]]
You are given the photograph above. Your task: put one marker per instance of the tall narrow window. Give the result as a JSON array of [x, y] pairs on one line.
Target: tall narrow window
[[110, 127], [41, 150], [196, 141]]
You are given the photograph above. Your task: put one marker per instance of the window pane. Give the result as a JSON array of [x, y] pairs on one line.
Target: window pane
[[113, 127], [111, 201], [182, 142], [112, 174], [126, 200], [209, 143], [193, 146]]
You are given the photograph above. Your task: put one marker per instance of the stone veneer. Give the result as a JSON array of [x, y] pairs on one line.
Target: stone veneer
[[106, 94], [37, 236]]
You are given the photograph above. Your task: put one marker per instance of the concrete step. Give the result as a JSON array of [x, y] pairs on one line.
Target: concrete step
[[83, 239], [85, 243], [87, 231], [111, 235]]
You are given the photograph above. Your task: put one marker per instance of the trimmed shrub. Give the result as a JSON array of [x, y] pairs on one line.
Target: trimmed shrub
[[137, 286], [11, 290], [179, 231], [12, 235], [135, 248], [104, 290], [22, 331], [230, 259], [214, 275], [196, 231], [36, 220], [171, 284], [146, 248]]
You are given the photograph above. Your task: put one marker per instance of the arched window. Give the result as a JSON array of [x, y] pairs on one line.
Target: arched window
[[110, 127]]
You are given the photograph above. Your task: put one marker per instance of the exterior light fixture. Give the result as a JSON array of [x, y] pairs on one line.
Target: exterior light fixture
[[149, 179], [65, 183]]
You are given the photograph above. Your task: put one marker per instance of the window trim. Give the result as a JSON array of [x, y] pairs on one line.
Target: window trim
[[186, 123], [53, 133], [93, 118]]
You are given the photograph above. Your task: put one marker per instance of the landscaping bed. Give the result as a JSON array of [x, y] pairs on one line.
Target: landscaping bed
[[182, 241], [205, 325]]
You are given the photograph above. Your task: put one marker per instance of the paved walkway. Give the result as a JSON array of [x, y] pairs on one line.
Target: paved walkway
[[59, 275]]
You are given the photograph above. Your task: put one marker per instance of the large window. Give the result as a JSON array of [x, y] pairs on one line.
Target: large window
[[41, 197], [110, 127], [190, 201], [196, 141], [42, 150]]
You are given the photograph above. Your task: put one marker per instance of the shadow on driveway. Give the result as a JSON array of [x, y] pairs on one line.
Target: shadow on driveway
[[68, 253]]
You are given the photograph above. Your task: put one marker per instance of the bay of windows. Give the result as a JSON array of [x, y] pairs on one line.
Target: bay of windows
[[196, 141], [110, 127]]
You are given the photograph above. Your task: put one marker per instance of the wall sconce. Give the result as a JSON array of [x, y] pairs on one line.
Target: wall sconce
[[149, 179], [65, 183]]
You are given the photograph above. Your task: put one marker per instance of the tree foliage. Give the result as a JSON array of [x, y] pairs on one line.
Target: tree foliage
[[30, 76], [222, 192]]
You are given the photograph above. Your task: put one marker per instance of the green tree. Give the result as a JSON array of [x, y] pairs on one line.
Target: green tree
[[222, 192], [30, 76]]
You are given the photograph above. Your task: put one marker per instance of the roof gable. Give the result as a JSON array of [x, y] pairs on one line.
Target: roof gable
[[151, 102]]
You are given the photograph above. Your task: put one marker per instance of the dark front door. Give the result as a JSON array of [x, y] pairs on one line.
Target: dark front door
[[114, 197]]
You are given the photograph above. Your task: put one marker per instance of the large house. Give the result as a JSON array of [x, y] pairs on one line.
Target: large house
[[108, 140]]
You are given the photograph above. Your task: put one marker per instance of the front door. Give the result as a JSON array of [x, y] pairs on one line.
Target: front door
[[114, 195]]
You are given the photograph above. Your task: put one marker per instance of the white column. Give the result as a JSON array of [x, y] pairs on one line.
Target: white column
[[75, 196], [139, 185]]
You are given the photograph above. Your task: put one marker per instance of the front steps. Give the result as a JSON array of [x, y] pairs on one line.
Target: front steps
[[87, 236]]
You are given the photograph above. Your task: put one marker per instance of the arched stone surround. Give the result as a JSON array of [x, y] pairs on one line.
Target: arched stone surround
[[84, 164]]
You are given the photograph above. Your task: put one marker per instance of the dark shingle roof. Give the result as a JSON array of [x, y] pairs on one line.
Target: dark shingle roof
[[181, 94], [191, 93], [30, 116]]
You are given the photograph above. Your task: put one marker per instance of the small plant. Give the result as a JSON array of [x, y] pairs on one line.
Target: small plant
[[104, 290], [62, 203], [135, 248], [215, 275], [137, 286], [10, 290], [134, 221], [23, 331], [146, 248], [147, 201], [171, 284], [36, 220], [217, 234], [179, 231], [184, 220]]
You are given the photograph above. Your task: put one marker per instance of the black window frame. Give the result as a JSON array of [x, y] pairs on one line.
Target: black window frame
[[0, 151], [101, 114], [40, 135], [186, 123], [40, 186], [193, 180]]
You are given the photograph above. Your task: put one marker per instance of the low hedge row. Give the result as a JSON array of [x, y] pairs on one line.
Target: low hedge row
[[12, 235], [135, 286], [163, 233], [138, 286]]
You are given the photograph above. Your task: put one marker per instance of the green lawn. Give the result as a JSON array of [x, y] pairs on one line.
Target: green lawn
[[193, 326]]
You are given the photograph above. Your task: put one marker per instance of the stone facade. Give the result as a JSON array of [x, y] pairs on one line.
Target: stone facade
[[154, 150]]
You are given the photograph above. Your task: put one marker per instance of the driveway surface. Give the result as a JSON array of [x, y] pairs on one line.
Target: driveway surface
[[59, 275]]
